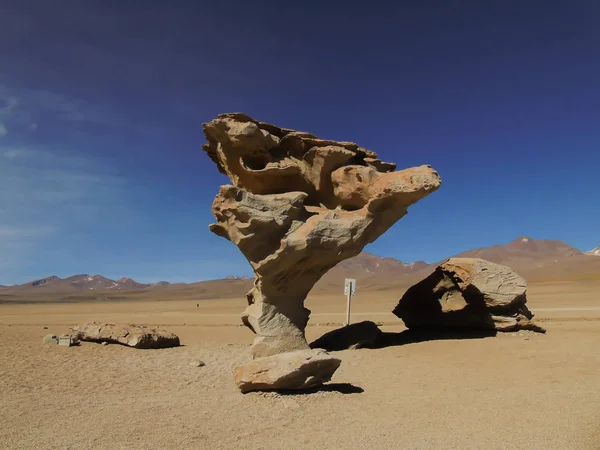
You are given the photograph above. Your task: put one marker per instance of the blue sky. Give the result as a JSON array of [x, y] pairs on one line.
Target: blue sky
[[101, 106]]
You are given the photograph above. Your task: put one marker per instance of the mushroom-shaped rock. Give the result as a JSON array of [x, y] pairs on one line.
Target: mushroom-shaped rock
[[468, 293], [297, 206]]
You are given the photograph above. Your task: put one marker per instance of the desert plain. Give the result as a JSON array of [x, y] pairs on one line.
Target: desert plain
[[519, 390]]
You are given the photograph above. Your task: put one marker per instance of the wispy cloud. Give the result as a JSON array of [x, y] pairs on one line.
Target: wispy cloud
[[14, 153], [45, 194], [26, 108], [14, 233], [8, 105], [7, 102]]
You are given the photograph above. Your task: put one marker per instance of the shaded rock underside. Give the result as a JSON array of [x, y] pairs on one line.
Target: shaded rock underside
[[468, 293]]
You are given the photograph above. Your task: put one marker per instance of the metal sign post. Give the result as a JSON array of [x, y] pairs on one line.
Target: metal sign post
[[349, 290]]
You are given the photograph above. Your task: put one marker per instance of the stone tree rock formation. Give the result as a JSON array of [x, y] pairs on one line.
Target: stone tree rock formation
[[297, 206], [468, 293]]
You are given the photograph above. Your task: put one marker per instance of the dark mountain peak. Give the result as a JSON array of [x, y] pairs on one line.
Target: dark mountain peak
[[84, 276], [418, 265], [44, 281], [125, 280]]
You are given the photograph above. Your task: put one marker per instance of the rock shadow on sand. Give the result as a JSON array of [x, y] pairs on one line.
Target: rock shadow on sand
[[368, 335], [340, 388], [415, 336]]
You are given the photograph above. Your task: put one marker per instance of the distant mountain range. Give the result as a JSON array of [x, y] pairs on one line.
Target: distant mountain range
[[534, 259], [79, 283], [525, 251]]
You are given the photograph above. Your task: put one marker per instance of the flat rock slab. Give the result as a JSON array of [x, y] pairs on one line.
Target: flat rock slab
[[136, 336], [297, 370], [357, 335]]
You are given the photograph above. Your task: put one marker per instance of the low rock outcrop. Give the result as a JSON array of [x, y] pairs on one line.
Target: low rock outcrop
[[297, 206], [468, 293], [357, 335], [136, 336], [302, 369]]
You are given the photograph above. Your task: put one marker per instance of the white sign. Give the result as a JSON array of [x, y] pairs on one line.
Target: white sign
[[350, 286], [65, 341]]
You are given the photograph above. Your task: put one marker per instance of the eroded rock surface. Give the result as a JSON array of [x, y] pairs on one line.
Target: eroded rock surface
[[302, 369], [468, 293], [297, 206], [137, 336]]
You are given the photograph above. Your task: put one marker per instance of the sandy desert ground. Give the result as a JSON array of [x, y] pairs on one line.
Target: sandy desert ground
[[512, 391]]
